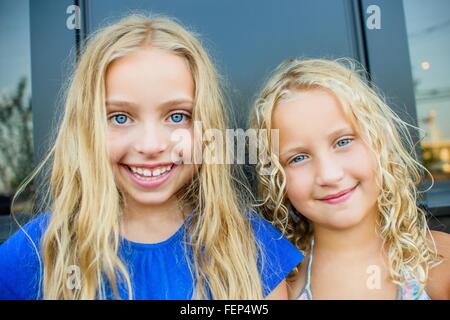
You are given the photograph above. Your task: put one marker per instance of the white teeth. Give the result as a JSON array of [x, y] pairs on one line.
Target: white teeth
[[150, 173]]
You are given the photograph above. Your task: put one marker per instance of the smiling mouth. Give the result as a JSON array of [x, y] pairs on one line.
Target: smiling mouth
[[339, 197], [147, 174]]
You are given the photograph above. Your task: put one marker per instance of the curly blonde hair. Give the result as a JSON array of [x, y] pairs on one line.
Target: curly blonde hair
[[401, 223]]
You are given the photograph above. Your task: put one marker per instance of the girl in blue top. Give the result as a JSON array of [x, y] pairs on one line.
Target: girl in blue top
[[131, 215]]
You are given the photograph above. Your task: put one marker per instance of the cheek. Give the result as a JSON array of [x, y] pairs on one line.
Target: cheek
[[116, 145], [299, 186], [362, 166], [360, 162], [182, 145]]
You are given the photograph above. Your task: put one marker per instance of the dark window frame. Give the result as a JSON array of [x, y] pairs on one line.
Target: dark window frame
[[373, 47], [378, 44]]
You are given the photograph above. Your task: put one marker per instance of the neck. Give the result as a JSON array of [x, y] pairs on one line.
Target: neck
[[152, 223], [361, 239]]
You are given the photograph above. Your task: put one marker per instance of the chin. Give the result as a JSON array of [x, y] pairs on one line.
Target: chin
[[154, 200], [149, 199], [345, 221]]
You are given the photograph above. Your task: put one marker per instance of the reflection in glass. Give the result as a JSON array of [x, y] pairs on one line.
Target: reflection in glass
[[16, 144], [428, 27]]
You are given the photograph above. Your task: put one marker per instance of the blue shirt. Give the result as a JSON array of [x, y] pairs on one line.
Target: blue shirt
[[157, 271]]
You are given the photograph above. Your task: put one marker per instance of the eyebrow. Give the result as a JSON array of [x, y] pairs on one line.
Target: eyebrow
[[330, 136], [293, 150], [165, 104], [340, 131]]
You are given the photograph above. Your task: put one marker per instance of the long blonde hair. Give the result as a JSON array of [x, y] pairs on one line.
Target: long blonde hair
[[401, 223], [86, 204]]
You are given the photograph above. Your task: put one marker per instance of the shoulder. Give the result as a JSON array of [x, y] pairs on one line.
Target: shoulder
[[262, 227], [296, 280], [442, 241], [438, 284], [269, 237], [277, 256], [20, 259]]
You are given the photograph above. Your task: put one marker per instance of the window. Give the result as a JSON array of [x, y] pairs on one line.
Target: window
[[428, 29], [16, 136]]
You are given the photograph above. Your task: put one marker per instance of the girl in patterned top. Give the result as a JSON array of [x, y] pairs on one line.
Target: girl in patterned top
[[344, 187]]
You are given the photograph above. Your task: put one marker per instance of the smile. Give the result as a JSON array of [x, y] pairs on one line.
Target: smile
[[151, 176], [339, 197], [145, 173]]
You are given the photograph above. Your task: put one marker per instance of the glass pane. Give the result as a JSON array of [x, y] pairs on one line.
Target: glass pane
[[16, 145], [428, 27]]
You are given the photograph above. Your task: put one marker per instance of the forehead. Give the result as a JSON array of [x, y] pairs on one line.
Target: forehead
[[148, 74], [309, 113]]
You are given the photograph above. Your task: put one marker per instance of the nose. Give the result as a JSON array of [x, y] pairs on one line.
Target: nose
[[329, 171], [151, 140]]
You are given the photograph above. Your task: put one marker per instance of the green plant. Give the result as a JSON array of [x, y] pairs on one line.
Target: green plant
[[16, 138]]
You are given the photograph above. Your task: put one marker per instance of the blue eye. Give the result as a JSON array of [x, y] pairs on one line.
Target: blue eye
[[177, 117], [343, 142], [120, 118], [298, 158]]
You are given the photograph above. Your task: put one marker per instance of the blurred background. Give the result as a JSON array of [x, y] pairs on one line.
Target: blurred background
[[404, 44]]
